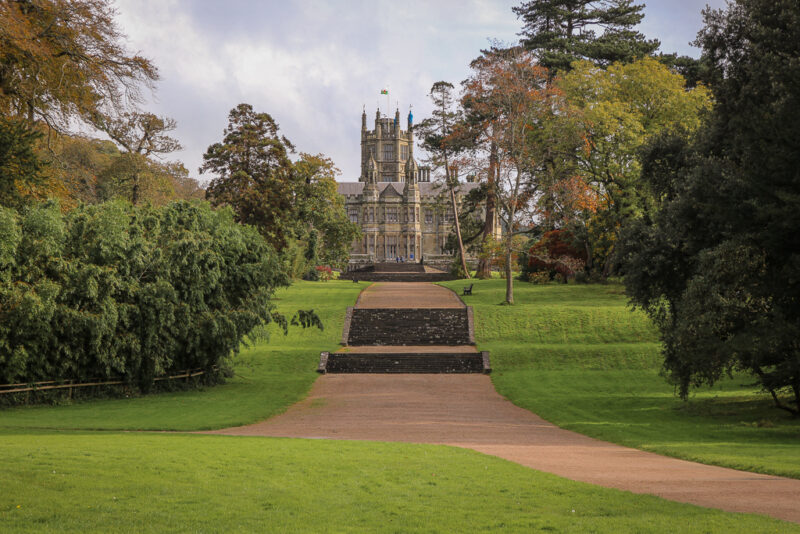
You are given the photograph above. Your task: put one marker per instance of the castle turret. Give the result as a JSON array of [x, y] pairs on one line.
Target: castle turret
[[363, 121]]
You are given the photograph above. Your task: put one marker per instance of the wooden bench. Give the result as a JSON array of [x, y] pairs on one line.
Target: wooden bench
[[468, 290]]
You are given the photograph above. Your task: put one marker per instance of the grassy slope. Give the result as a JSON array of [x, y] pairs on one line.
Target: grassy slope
[[577, 356], [101, 482], [270, 376]]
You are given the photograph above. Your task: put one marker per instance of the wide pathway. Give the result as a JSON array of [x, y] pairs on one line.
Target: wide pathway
[[407, 295], [466, 411]]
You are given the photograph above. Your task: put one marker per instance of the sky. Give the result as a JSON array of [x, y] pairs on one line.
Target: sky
[[313, 64]]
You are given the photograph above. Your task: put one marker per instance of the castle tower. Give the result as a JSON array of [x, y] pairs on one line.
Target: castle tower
[[388, 145]]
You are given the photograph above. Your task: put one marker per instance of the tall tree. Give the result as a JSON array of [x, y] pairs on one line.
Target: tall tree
[[719, 266], [619, 109], [321, 208], [254, 174], [560, 32], [293, 204], [140, 135], [523, 109], [62, 60], [438, 140], [478, 134]]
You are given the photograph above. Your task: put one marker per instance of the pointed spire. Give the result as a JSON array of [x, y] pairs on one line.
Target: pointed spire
[[412, 170], [364, 118]]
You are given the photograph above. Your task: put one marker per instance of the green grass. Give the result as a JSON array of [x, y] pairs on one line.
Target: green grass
[[107, 482], [579, 357], [80, 481], [270, 376]]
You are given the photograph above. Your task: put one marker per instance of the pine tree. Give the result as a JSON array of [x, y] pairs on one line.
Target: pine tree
[[563, 31]]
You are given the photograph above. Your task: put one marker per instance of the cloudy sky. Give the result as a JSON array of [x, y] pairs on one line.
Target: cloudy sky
[[313, 64]]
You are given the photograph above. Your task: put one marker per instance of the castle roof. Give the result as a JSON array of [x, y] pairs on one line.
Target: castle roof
[[426, 189]]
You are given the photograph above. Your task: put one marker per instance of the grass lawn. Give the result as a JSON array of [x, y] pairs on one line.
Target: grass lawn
[[111, 482], [579, 357], [270, 376]]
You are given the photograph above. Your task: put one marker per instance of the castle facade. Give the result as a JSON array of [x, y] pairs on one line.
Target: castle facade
[[400, 211]]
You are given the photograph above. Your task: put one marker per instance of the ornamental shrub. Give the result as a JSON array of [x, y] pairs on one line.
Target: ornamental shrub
[[554, 255], [114, 291]]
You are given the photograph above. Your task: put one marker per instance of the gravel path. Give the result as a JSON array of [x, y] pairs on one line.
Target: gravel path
[[408, 295], [466, 411]]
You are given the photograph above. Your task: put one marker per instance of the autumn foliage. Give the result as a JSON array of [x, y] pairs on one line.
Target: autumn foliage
[[554, 255]]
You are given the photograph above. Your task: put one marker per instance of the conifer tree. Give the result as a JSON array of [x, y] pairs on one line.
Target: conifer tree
[[563, 31]]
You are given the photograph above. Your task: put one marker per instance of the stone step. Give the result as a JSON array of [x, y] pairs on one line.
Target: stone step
[[394, 267], [408, 326], [430, 363], [370, 276]]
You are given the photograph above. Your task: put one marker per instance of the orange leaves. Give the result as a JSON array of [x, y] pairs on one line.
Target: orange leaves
[[64, 59]]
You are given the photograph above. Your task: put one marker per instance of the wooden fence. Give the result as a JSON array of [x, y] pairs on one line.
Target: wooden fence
[[70, 384]]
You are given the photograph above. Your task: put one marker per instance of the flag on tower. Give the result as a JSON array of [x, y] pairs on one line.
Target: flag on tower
[[384, 91]]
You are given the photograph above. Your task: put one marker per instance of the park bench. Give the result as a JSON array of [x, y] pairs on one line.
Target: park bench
[[468, 290]]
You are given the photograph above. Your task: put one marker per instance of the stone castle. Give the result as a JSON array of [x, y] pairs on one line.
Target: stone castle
[[400, 211]]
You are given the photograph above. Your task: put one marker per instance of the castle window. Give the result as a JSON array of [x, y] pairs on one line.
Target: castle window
[[404, 152], [388, 152], [391, 214], [353, 212], [428, 217]]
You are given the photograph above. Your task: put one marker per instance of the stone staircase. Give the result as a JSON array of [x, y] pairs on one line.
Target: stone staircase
[[416, 362], [408, 326], [395, 272], [381, 339]]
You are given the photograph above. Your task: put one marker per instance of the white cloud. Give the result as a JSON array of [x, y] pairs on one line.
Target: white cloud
[[313, 64]]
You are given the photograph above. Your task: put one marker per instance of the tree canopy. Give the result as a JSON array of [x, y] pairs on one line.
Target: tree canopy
[[717, 267], [287, 201], [64, 59], [561, 32]]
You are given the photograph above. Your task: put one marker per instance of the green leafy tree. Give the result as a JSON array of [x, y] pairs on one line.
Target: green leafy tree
[[321, 208], [717, 267], [619, 109], [253, 174], [285, 200], [561, 32]]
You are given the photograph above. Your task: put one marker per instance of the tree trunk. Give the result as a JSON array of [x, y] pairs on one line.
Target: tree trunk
[[484, 266], [509, 277], [135, 190], [458, 231]]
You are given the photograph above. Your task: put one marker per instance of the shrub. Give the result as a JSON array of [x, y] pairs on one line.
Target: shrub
[[553, 254], [324, 273], [113, 290]]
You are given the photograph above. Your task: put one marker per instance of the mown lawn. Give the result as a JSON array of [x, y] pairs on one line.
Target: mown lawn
[[270, 376], [111, 482], [579, 357]]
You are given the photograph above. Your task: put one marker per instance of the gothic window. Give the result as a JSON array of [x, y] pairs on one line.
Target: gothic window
[[391, 214], [428, 217], [353, 212], [387, 177], [404, 152], [388, 152]]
